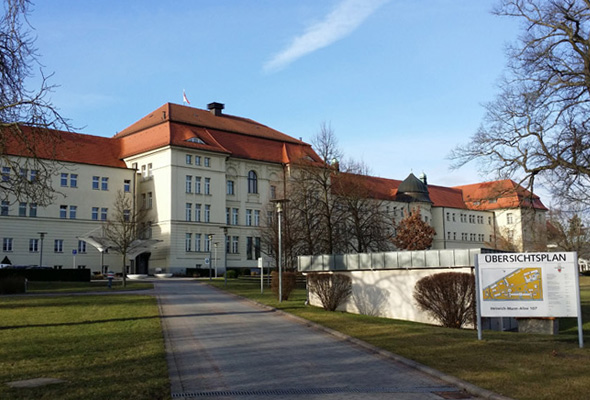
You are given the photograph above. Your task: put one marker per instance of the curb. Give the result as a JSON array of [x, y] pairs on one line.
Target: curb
[[468, 387]]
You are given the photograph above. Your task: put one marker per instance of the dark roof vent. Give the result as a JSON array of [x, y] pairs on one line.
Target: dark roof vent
[[215, 108]]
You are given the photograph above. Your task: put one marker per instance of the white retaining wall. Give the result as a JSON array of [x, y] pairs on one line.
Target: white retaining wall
[[387, 293], [383, 283]]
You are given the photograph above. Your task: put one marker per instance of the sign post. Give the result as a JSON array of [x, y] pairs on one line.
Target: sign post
[[74, 252], [528, 285], [261, 266]]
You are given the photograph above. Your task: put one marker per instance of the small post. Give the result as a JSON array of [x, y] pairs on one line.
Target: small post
[[110, 276], [261, 266], [225, 256], [210, 253], [477, 294]]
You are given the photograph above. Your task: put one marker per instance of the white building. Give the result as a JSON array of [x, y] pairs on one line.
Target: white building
[[205, 179]]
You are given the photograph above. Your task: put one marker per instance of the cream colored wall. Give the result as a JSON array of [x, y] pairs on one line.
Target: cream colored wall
[[21, 229], [455, 226], [528, 227], [510, 231], [387, 293], [169, 169]]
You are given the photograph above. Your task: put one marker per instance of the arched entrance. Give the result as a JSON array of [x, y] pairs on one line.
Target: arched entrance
[[142, 263]]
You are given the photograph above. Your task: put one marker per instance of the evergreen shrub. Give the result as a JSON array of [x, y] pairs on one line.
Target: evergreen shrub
[[13, 285]]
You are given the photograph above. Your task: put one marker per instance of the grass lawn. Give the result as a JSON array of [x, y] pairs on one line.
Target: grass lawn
[[96, 286], [521, 366], [104, 347]]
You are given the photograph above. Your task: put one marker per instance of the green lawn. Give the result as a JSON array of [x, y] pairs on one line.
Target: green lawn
[[104, 347], [520, 366]]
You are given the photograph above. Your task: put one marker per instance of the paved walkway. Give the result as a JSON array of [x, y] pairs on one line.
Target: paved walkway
[[222, 347]]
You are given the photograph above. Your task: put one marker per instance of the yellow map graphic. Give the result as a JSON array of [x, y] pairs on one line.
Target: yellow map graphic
[[521, 284]]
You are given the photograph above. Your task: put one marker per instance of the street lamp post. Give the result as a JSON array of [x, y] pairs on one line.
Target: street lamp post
[[42, 236], [279, 203]]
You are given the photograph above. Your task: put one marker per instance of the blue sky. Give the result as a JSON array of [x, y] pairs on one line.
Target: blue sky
[[401, 82]]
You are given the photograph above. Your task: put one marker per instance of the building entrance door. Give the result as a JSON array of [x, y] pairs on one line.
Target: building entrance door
[[142, 263]]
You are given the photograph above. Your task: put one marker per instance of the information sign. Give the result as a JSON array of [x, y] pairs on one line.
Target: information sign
[[528, 285]]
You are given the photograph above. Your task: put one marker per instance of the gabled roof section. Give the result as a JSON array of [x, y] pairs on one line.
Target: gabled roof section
[[499, 194], [176, 125], [202, 118], [65, 147]]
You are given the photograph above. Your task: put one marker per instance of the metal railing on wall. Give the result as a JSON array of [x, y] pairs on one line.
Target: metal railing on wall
[[448, 258]]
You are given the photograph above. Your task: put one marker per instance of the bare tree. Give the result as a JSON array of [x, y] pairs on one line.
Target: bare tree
[[332, 207], [326, 145], [27, 117], [122, 229], [313, 214], [412, 233], [537, 128], [567, 231], [365, 225]]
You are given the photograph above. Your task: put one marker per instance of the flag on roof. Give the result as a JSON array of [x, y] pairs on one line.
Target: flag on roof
[[184, 98]]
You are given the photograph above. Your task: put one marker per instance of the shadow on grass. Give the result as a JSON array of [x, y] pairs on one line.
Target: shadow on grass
[[105, 321], [68, 299]]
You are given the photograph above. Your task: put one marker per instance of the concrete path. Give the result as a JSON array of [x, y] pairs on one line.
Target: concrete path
[[222, 347]]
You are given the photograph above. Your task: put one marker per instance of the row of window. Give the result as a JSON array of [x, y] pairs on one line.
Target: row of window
[[189, 160], [189, 184], [198, 242], [469, 237], [65, 211], [252, 186], [402, 211], [472, 219], [197, 217], [231, 214], [98, 182], [22, 209], [66, 179], [34, 245], [232, 217], [23, 173]]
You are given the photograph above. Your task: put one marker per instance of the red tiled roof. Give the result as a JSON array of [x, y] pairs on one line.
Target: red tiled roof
[[499, 194], [202, 118], [66, 147], [442, 196], [371, 186], [174, 125], [386, 189]]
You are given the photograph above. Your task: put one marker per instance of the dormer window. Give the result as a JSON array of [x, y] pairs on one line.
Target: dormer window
[[195, 140]]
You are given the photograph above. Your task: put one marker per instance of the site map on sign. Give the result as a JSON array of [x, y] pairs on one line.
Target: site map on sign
[[521, 284]]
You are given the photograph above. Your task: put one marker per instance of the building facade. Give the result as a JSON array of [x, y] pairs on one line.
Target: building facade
[[204, 180]]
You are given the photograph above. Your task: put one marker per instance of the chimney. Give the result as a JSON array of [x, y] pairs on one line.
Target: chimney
[[215, 108]]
